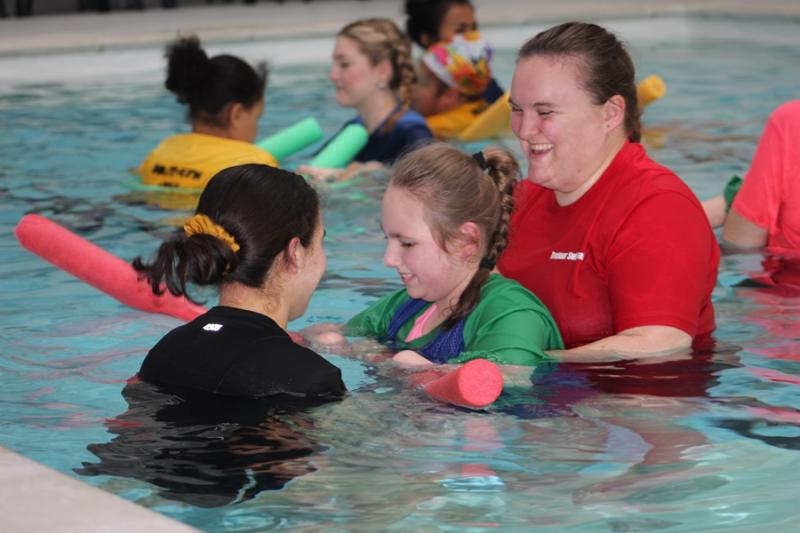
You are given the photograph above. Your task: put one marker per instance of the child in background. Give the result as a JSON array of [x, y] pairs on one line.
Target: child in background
[[225, 97], [257, 235], [373, 72], [433, 21], [452, 79], [445, 215]]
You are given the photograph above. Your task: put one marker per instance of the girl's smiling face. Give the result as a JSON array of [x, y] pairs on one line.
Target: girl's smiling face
[[428, 272]]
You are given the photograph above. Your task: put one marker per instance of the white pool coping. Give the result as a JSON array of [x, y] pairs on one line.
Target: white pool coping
[[45, 48], [125, 29], [35, 498]]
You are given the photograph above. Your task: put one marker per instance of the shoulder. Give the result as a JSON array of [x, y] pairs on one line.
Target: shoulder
[[500, 294], [503, 298], [638, 179], [411, 117], [412, 123], [275, 365], [788, 112]]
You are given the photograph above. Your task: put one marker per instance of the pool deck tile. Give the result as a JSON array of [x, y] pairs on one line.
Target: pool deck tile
[[36, 498]]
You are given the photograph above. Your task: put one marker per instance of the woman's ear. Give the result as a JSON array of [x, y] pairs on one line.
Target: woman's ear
[[470, 242], [385, 72], [234, 114], [614, 111], [294, 255]]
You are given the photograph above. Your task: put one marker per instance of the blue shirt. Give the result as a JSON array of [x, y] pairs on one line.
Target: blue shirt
[[410, 131]]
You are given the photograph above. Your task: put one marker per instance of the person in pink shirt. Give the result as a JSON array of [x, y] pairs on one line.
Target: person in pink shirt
[[766, 211]]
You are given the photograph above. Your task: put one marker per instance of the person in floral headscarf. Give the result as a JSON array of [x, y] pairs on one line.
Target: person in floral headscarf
[[452, 78]]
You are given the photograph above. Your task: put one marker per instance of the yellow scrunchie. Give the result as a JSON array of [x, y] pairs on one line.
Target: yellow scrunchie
[[201, 224]]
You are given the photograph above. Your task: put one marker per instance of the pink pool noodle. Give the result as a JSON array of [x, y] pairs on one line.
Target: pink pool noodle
[[97, 267], [475, 384], [102, 270]]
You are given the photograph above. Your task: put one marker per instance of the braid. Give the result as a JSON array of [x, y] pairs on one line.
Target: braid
[[503, 169], [405, 75]]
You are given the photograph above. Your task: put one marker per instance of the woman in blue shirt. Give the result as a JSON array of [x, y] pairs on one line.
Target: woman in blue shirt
[[373, 72]]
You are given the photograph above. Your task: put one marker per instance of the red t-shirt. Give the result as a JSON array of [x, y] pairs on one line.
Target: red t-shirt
[[770, 194], [635, 250]]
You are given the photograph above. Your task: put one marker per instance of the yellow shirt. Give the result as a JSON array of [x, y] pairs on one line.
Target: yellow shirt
[[449, 124], [191, 159]]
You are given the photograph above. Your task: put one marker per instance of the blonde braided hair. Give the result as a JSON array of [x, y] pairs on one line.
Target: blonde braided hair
[[380, 39]]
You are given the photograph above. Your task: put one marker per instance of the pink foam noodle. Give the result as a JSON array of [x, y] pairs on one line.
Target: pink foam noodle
[[97, 267], [475, 385]]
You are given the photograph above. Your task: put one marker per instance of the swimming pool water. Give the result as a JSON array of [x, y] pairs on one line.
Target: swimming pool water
[[710, 444]]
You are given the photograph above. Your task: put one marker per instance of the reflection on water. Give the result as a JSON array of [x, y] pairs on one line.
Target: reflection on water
[[206, 450]]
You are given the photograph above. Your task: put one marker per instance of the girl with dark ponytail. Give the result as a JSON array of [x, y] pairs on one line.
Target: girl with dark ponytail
[[257, 236], [446, 217], [224, 98]]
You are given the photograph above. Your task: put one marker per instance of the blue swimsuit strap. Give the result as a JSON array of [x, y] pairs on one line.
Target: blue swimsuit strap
[[448, 343]]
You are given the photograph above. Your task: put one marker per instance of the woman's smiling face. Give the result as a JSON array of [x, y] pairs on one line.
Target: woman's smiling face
[[562, 132], [352, 74]]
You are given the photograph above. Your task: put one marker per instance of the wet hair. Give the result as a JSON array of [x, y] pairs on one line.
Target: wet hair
[[261, 207], [425, 18], [605, 64], [209, 85], [380, 39], [455, 189]]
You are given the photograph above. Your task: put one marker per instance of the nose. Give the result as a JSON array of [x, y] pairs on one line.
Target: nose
[[332, 73], [526, 125], [391, 257]]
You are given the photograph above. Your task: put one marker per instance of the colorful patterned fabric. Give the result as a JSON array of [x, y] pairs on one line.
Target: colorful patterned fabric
[[462, 63]]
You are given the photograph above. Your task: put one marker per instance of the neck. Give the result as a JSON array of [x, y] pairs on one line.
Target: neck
[[375, 109], [206, 129], [614, 145], [446, 304], [256, 300]]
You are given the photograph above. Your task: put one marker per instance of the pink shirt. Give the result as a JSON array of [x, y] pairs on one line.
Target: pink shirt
[[419, 324], [770, 195]]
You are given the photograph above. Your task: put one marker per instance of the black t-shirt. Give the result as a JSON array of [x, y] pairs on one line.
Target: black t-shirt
[[235, 352]]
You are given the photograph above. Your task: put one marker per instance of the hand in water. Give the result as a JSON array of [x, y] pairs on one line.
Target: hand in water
[[410, 358]]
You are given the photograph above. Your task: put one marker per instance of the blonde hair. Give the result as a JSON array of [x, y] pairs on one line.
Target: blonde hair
[[455, 188], [380, 39]]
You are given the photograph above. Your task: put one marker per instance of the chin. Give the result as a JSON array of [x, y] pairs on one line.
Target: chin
[[343, 100]]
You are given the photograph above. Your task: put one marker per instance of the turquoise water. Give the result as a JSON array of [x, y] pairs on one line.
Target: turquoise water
[[697, 446]]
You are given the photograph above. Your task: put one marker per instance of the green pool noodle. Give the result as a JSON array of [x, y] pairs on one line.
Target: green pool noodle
[[291, 140], [343, 148]]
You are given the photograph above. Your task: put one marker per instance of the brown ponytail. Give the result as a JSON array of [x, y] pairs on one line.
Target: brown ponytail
[[456, 188]]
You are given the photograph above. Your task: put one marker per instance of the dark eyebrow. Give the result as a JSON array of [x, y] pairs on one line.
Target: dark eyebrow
[[535, 104]]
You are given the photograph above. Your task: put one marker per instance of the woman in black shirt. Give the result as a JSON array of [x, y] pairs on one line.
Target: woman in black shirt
[[257, 235]]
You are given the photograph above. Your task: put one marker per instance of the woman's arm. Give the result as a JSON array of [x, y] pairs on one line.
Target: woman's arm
[[644, 342], [741, 232], [715, 210]]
